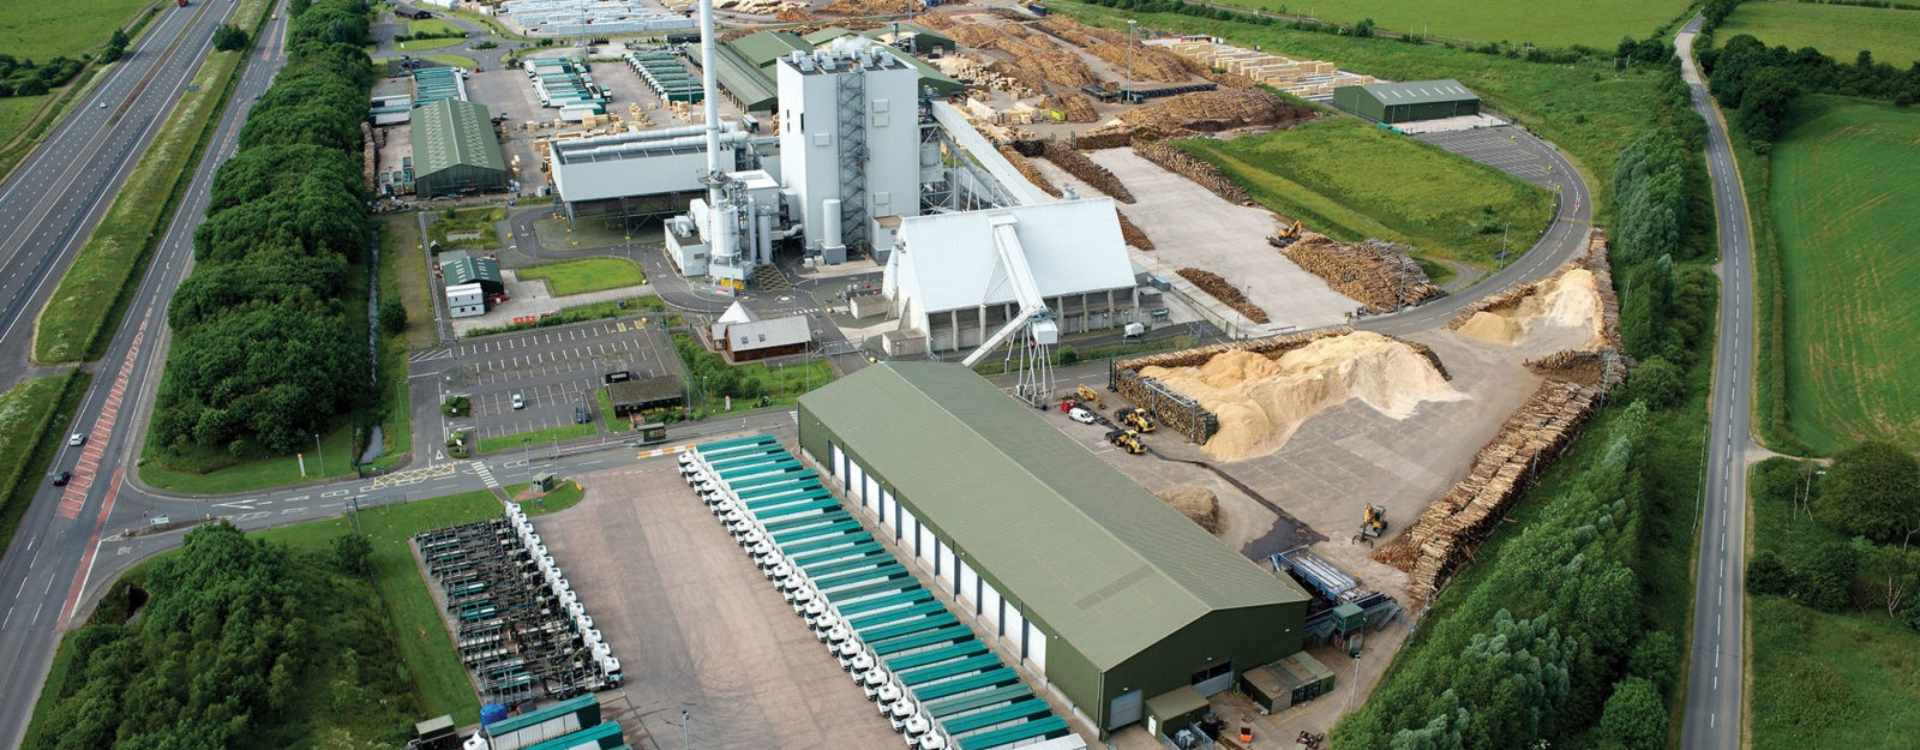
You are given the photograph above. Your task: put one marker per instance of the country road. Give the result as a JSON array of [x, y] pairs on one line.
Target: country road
[[47, 563], [1715, 681]]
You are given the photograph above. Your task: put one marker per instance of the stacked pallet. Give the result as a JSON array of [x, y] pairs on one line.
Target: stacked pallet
[[1212, 112], [1380, 275], [1077, 164], [1229, 295], [1027, 170], [1132, 233], [1577, 382], [1202, 172]]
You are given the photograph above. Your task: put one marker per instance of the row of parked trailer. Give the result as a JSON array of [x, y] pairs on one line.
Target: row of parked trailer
[[518, 624], [566, 84], [662, 70], [937, 684]]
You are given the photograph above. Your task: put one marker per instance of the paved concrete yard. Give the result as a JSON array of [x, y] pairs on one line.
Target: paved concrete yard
[[553, 368], [1192, 227], [1497, 148], [696, 626]]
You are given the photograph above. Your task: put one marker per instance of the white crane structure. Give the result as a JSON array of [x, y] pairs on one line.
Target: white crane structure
[[1039, 332]]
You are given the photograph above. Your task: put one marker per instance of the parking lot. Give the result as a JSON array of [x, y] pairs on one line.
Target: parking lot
[[1500, 148], [553, 370], [696, 626]]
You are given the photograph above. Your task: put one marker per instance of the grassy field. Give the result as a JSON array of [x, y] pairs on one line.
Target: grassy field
[[618, 308], [403, 276], [78, 315], [584, 275], [457, 61], [439, 679], [1826, 679], [1586, 109], [1840, 31], [210, 471], [464, 221], [37, 29], [1842, 203], [432, 26], [422, 45], [17, 111], [535, 439], [1544, 23], [33, 419], [400, 240], [1353, 181], [612, 421], [565, 496]]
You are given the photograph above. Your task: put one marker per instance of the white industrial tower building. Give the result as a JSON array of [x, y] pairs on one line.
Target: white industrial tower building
[[849, 147]]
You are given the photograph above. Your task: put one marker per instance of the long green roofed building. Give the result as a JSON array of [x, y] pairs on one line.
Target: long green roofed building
[[1118, 600], [455, 150]]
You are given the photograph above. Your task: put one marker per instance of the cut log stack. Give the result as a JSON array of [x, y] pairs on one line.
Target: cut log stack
[[369, 158], [1202, 172], [1132, 233], [870, 7], [1212, 112], [1379, 275], [1077, 164], [1228, 294], [1032, 173], [1577, 383]]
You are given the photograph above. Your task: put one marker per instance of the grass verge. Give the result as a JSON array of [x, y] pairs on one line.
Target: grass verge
[[618, 308], [474, 228], [569, 277], [565, 496], [400, 241], [536, 438], [422, 45], [451, 60], [1353, 181], [752, 385], [210, 471], [393, 404], [612, 421], [33, 418], [97, 286]]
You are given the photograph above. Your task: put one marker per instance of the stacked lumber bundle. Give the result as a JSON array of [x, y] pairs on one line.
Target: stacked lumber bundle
[[969, 70], [1577, 381], [1302, 78], [1132, 233], [1027, 170], [1213, 284], [1380, 275], [1193, 168], [1077, 164], [1212, 112]]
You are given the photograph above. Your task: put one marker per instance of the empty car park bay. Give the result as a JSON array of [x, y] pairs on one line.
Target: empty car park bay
[[554, 371]]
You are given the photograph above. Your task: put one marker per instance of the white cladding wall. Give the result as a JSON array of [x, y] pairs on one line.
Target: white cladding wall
[[810, 141], [657, 174], [921, 545]]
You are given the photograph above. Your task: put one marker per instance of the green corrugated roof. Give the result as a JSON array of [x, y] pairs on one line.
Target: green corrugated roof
[[1420, 92], [1089, 553], [449, 133], [827, 34], [753, 88], [761, 48]]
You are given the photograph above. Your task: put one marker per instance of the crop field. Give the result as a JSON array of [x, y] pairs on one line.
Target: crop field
[[38, 29], [1840, 31], [1588, 110], [1545, 23], [1353, 181], [584, 275], [1843, 202]]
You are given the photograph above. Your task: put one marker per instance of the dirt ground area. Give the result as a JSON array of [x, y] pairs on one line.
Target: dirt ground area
[[696, 626], [1191, 227]]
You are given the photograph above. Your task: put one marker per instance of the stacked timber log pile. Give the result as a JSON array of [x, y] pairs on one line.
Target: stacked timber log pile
[[1078, 165], [1228, 294], [871, 7], [1076, 107], [971, 71], [1270, 347], [369, 157], [1097, 141], [1149, 63], [1577, 382], [1380, 275], [1202, 172], [1032, 173], [1179, 413], [1131, 232], [1212, 112]]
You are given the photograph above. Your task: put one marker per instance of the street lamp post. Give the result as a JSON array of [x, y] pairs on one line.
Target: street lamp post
[[1131, 25], [322, 451]]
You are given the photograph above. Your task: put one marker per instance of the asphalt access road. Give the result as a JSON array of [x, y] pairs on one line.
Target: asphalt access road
[[50, 558], [1716, 672], [1565, 238], [56, 196]]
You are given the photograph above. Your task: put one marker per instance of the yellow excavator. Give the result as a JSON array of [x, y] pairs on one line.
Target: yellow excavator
[[1127, 440], [1373, 522], [1134, 417], [1087, 396], [1287, 234]]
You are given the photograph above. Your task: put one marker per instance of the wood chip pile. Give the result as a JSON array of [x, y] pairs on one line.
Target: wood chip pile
[[1184, 415], [1270, 347], [1213, 284], [1202, 172], [1132, 233], [1032, 173], [1594, 259], [1195, 502], [1078, 165], [1577, 383], [1212, 112], [1380, 275]]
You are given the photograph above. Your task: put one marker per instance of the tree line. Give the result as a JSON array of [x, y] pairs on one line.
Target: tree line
[[239, 643], [1758, 84], [267, 352], [1871, 497], [1554, 644], [24, 77]]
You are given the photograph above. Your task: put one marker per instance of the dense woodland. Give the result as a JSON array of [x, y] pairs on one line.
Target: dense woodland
[[268, 350], [1870, 499], [239, 643]]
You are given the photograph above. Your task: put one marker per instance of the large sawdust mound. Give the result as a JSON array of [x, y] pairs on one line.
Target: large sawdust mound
[[1567, 301], [1195, 502], [1261, 402]]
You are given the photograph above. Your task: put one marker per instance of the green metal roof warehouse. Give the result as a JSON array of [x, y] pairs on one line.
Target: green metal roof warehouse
[[455, 150], [1097, 584], [1408, 102]]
